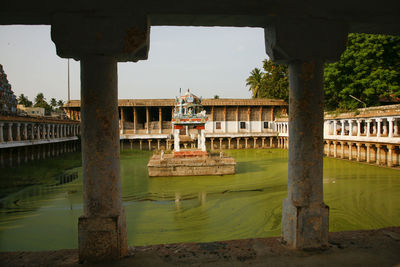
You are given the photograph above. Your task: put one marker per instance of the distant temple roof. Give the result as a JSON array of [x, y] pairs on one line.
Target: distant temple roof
[[205, 102]]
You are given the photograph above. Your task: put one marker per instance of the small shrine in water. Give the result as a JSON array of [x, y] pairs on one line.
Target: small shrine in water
[[188, 122], [188, 115]]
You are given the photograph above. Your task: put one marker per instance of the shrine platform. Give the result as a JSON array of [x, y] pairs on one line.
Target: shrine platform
[[188, 164]]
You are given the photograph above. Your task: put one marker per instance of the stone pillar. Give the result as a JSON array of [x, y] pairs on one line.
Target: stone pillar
[[160, 120], [368, 127], [350, 148], [271, 140], [229, 142], [368, 153], [52, 132], [220, 143], [25, 131], [212, 122], [149, 141], [212, 143], [1, 133], [262, 142], [237, 119], [176, 140], [147, 121], [385, 128], [334, 149], [396, 128], [141, 144], [358, 128], [342, 150], [134, 119], [102, 228], [335, 127], [48, 131], [255, 142], [350, 127], [342, 127], [203, 140], [379, 122], [358, 151], [158, 144], [378, 154], [10, 137], [245, 142], [237, 142], [391, 121], [390, 155], [32, 131], [18, 132]]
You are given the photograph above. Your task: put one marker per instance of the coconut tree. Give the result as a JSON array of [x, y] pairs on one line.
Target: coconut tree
[[254, 82]]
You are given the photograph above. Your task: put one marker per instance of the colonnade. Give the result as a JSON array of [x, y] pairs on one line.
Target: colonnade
[[369, 127], [374, 153], [15, 156], [11, 131]]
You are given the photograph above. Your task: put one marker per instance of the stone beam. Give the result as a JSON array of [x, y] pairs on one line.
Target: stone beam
[[123, 37]]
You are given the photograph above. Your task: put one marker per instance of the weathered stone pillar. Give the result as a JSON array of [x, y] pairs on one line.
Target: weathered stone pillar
[[390, 155], [378, 154], [10, 137], [25, 131], [342, 127], [368, 153], [358, 127], [396, 128], [1, 133], [368, 127], [102, 228], [335, 127], [255, 142], [271, 140], [262, 142], [141, 145], [160, 119], [379, 122], [220, 142], [229, 142], [176, 140], [149, 141], [350, 127], [245, 142], [18, 132], [391, 121], [134, 119], [342, 149], [203, 140], [237, 142], [350, 148], [212, 143], [237, 119], [358, 151], [385, 128], [147, 121]]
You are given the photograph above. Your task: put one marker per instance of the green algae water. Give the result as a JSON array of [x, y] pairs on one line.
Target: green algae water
[[203, 208]]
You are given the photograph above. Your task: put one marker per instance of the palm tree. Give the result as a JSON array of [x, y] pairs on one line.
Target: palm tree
[[23, 100], [60, 104], [53, 103], [254, 82]]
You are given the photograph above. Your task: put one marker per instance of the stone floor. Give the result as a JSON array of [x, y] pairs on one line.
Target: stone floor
[[353, 248]]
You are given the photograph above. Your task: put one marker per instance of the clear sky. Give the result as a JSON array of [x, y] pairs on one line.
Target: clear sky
[[209, 61]]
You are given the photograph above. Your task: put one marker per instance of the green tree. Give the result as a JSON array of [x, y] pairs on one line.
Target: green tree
[[275, 81], [254, 82], [60, 104], [53, 103], [40, 102], [369, 69], [23, 100]]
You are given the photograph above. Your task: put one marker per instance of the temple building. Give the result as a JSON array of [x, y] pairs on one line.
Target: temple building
[[231, 123]]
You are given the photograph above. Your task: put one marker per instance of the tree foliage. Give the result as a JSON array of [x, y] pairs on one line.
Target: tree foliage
[[369, 69], [23, 100]]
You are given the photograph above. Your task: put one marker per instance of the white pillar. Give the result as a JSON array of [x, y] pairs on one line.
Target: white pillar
[[176, 140], [391, 121], [342, 129], [378, 133], [358, 127], [203, 140], [368, 127], [350, 127], [335, 127]]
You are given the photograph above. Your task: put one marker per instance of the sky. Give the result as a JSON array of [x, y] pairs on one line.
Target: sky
[[208, 60]]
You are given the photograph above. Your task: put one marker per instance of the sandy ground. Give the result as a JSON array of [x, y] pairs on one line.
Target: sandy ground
[[353, 248]]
